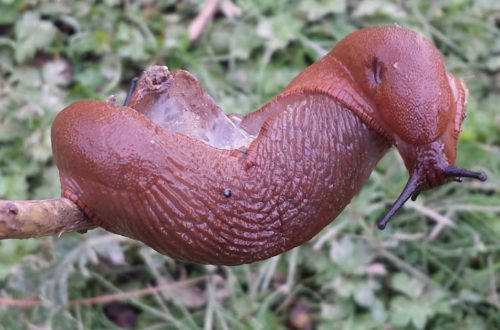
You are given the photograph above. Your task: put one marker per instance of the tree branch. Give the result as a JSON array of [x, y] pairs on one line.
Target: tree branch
[[26, 219]]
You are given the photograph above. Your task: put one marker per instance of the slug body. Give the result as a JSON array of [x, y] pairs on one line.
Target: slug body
[[172, 171]]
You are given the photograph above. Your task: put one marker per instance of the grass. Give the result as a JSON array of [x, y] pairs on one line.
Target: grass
[[436, 267]]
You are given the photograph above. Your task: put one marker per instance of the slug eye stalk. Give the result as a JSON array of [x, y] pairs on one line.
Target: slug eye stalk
[[457, 173], [413, 188], [131, 90]]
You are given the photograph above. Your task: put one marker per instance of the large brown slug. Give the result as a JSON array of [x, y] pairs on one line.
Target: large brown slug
[[171, 170]]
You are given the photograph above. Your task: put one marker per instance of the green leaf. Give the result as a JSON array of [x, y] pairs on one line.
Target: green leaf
[[133, 43], [316, 9], [10, 130], [364, 295], [176, 38], [404, 311], [340, 310], [378, 311], [13, 186], [350, 256], [49, 187], [379, 7], [11, 252], [9, 12], [243, 41], [32, 34], [279, 30], [412, 287]]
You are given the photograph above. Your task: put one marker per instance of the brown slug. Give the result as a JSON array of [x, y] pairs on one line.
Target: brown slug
[[171, 170]]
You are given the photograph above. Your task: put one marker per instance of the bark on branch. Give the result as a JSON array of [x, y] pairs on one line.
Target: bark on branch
[[26, 219]]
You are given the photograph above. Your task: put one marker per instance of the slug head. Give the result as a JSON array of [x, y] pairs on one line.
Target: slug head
[[418, 103]]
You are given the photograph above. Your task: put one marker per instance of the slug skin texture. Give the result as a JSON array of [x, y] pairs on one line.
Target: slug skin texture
[[171, 170]]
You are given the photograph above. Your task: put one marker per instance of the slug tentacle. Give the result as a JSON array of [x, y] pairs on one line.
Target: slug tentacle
[[431, 172], [458, 173], [409, 190], [131, 89]]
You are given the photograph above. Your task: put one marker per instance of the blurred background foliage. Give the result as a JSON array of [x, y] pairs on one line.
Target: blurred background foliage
[[437, 266]]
